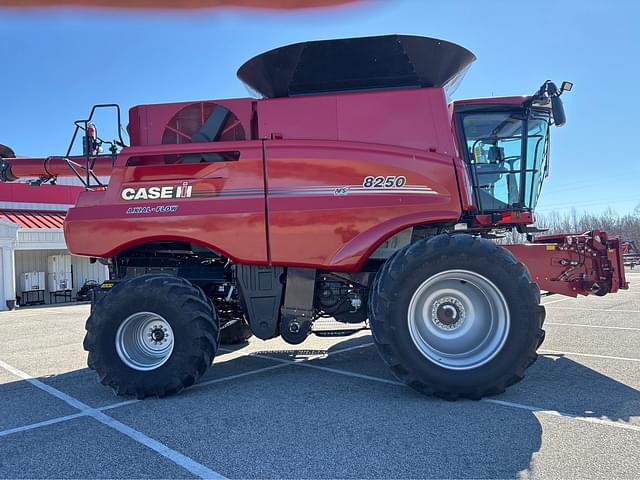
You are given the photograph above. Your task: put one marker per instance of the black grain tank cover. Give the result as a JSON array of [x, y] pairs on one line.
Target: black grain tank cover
[[349, 64]]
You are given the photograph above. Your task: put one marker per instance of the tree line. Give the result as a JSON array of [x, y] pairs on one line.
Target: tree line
[[626, 226]]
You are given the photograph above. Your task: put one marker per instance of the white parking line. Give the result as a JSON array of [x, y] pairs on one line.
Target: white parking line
[[88, 411], [176, 457], [351, 374], [117, 405], [237, 375], [578, 354], [316, 356], [45, 423], [303, 363], [556, 301], [543, 411], [603, 310], [198, 385], [591, 326], [53, 421], [555, 413]]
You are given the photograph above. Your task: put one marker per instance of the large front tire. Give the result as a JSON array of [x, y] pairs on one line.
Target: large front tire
[[153, 335], [456, 316]]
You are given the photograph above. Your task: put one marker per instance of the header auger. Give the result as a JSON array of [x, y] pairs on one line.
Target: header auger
[[351, 189]]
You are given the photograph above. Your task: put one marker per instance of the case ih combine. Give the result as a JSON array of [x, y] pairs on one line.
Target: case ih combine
[[350, 189]]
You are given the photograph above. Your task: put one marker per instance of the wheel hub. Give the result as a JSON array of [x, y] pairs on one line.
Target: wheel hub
[[144, 341], [458, 319], [158, 334], [448, 313]]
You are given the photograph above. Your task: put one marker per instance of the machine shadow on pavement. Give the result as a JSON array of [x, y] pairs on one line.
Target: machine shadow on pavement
[[376, 416]]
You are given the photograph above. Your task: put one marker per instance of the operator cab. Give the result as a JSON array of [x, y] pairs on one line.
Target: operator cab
[[506, 150], [505, 143]]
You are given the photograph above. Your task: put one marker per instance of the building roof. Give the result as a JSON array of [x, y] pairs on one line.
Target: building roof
[[34, 218]]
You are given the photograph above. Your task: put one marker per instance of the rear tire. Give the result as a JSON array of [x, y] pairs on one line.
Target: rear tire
[[153, 335], [456, 316]]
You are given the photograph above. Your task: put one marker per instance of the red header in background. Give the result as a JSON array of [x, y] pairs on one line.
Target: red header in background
[[52, 194]]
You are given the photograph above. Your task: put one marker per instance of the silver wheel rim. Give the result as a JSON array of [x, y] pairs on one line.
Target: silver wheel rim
[[144, 341], [458, 319]]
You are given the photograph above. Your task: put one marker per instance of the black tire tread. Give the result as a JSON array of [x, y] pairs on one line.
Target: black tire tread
[[384, 295], [192, 300]]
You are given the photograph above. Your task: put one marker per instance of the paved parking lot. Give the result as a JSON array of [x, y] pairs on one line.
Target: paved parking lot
[[327, 409]]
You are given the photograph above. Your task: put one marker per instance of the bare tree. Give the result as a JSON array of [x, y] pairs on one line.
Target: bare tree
[[626, 226]]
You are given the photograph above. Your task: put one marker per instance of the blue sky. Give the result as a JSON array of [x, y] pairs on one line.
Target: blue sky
[[56, 63]]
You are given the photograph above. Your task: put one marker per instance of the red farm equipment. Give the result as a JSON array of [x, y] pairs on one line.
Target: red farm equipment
[[631, 254], [350, 188]]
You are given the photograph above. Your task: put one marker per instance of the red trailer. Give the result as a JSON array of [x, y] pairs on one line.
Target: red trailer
[[350, 189]]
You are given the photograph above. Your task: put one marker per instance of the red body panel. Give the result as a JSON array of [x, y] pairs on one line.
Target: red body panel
[[310, 223], [319, 152], [225, 212], [321, 216], [416, 118]]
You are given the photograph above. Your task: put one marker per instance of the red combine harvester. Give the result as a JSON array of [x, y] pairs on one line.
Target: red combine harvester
[[350, 189]]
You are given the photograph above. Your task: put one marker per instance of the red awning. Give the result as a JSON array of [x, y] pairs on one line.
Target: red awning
[[34, 218]]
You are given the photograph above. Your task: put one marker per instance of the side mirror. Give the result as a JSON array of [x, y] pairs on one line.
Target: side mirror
[[557, 108], [559, 117]]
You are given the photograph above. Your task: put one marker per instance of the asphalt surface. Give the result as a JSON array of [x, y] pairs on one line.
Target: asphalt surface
[[327, 409]]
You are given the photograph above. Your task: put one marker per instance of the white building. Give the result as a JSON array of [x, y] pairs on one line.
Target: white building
[[31, 220]]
